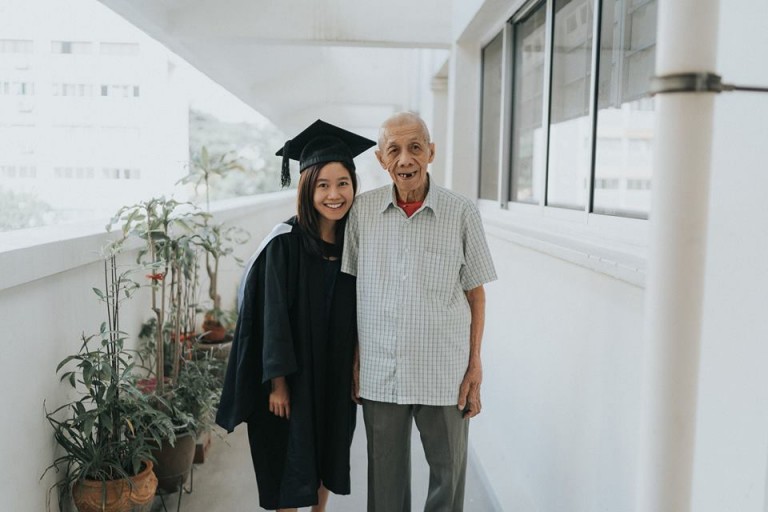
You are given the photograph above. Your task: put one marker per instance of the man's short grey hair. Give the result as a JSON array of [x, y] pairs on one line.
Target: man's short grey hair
[[401, 118]]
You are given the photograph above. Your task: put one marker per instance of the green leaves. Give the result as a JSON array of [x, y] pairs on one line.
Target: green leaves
[[203, 166], [107, 430]]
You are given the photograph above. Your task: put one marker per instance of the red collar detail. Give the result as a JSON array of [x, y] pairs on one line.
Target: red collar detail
[[409, 208]]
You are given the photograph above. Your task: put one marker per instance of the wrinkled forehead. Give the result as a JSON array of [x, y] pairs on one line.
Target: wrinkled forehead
[[403, 132]]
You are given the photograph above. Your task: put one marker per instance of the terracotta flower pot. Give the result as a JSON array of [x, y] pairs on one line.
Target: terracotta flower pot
[[174, 463], [213, 329], [202, 445], [148, 386], [121, 496]]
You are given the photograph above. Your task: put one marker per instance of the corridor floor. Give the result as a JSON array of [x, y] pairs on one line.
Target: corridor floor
[[226, 482]]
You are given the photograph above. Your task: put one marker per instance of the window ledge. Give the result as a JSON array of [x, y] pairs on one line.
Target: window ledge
[[613, 246]]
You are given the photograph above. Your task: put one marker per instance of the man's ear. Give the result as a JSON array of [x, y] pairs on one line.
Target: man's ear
[[378, 157], [431, 152]]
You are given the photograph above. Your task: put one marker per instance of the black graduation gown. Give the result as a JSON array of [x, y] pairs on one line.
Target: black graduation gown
[[286, 329]]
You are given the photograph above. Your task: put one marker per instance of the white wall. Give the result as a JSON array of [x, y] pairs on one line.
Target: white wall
[[561, 359], [44, 317]]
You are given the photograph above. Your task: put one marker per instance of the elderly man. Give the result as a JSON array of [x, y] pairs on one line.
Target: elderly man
[[421, 260]]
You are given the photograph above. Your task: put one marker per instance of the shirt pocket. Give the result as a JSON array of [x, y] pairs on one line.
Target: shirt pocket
[[439, 274]]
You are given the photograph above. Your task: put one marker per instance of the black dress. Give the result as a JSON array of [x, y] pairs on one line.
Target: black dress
[[297, 319]]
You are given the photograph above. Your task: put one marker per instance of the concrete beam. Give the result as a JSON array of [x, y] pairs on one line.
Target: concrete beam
[[396, 23]]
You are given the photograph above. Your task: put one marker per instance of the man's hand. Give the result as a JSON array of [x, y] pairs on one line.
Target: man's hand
[[280, 399], [356, 376], [469, 391]]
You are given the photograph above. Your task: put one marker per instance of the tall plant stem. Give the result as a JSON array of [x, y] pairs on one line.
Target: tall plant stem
[[112, 284], [176, 338], [159, 377]]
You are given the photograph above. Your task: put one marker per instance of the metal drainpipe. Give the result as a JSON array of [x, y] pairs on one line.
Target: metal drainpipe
[[687, 42]]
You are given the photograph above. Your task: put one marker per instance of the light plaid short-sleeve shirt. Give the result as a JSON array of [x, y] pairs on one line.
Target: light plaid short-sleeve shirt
[[413, 315]]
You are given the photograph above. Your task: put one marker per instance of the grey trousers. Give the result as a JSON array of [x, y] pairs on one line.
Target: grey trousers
[[443, 433]]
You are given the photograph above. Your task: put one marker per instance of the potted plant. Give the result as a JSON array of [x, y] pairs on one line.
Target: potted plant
[[197, 393], [109, 430], [168, 256], [192, 400], [169, 259], [173, 234], [218, 240]]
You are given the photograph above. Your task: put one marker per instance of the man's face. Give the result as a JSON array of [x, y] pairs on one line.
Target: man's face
[[405, 153]]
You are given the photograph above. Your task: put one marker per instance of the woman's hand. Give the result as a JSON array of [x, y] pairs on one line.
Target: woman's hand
[[280, 399], [356, 376]]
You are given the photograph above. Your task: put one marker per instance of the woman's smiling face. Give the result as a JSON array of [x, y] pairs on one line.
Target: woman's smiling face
[[334, 192]]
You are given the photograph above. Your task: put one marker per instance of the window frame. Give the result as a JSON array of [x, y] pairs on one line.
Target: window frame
[[506, 171], [481, 174], [522, 15], [612, 245]]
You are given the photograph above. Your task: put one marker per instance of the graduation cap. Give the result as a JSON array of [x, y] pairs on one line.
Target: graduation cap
[[320, 143]]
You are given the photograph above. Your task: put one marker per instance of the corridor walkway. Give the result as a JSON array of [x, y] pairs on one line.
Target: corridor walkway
[[226, 483]]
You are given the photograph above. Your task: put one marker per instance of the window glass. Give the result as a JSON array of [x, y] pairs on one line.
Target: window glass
[[625, 114], [119, 48], [73, 47], [528, 154], [570, 130], [490, 124], [15, 46]]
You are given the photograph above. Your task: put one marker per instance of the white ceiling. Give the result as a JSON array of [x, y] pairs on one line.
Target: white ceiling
[[351, 62]]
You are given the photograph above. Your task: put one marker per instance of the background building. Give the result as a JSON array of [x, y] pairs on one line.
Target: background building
[[93, 115]]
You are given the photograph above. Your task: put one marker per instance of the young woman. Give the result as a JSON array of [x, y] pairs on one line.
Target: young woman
[[289, 373]]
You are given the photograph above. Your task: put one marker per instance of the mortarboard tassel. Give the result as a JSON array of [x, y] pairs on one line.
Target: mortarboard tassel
[[285, 175]]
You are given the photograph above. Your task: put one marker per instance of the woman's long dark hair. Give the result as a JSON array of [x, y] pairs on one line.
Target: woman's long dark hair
[[308, 217]]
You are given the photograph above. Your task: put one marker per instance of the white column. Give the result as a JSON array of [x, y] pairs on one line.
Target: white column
[[439, 128], [462, 156], [687, 41]]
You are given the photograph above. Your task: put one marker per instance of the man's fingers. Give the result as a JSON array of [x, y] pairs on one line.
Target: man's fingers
[[469, 398], [463, 393], [472, 409], [474, 393], [474, 404]]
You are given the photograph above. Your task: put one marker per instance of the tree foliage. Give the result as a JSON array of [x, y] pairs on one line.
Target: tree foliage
[[21, 210], [252, 146]]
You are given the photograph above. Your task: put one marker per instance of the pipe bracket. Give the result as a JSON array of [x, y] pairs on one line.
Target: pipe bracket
[[695, 82]]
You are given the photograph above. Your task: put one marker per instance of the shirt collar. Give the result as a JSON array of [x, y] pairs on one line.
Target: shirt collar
[[391, 198]]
